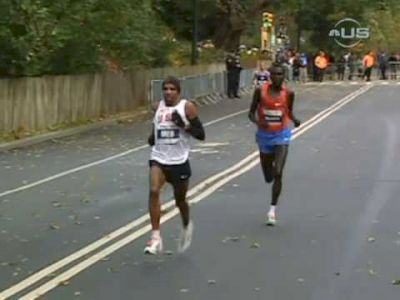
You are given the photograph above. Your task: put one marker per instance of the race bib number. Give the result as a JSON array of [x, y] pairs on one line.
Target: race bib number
[[273, 116], [168, 136]]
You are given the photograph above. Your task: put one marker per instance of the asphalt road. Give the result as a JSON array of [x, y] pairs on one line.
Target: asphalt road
[[338, 234]]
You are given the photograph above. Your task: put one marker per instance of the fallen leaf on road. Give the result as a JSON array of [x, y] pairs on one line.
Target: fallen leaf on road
[[396, 282], [54, 226], [76, 294], [184, 290], [212, 281], [300, 280], [231, 239], [371, 239], [111, 270], [371, 272], [56, 204], [255, 246], [86, 200], [64, 283]]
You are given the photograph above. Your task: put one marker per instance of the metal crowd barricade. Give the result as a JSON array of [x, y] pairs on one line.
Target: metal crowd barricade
[[393, 71], [203, 85], [355, 71]]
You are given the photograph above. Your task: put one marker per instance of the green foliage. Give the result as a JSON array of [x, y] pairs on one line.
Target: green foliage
[[72, 36]]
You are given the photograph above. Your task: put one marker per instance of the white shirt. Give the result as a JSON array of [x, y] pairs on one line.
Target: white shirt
[[171, 144]]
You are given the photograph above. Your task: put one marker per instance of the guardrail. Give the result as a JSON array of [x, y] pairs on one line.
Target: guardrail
[[203, 85]]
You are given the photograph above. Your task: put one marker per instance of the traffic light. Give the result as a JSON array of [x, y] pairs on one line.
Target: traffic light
[[268, 19]]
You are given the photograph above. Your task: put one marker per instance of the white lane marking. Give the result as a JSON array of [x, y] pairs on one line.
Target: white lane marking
[[125, 241], [212, 145], [113, 235], [98, 162], [248, 162]]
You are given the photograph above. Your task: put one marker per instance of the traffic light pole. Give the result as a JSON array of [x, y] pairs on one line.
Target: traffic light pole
[[194, 32]]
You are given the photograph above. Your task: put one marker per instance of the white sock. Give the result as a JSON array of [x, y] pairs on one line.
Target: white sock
[[155, 234], [272, 209]]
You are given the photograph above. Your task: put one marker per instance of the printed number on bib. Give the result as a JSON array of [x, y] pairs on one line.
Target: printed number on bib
[[273, 116], [168, 136]]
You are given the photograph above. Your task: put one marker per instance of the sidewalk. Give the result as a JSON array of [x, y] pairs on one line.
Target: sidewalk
[[140, 115]]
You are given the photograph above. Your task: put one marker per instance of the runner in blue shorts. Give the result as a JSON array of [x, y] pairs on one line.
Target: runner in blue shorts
[[272, 111]]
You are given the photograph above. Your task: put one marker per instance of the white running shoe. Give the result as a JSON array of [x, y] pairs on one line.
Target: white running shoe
[[186, 238], [271, 219], [154, 246]]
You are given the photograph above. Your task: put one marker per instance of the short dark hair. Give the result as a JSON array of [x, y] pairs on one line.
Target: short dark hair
[[174, 81], [275, 65]]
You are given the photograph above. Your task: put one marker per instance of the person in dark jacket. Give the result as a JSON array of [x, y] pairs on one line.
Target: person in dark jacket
[[233, 68]]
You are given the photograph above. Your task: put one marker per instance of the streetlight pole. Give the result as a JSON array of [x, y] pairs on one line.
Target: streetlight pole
[[194, 32]]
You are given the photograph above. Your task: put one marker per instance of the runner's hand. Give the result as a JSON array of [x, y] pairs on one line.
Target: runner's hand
[[177, 119], [252, 117], [296, 123], [151, 140]]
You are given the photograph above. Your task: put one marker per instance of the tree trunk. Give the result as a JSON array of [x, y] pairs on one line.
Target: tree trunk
[[235, 16], [233, 23]]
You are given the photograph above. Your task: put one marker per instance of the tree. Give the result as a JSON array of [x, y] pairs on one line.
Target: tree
[[223, 21], [72, 36]]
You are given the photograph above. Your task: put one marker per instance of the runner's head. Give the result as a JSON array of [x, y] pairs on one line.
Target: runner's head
[[171, 90], [263, 66], [277, 75]]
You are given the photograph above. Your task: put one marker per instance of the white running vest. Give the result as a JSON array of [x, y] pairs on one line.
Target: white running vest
[[171, 145]]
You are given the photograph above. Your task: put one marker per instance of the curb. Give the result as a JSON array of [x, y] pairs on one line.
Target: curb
[[66, 132], [211, 99]]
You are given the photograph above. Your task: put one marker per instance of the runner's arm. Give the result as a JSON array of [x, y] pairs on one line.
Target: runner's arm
[[151, 138], [195, 127], [254, 105], [296, 121], [255, 76]]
